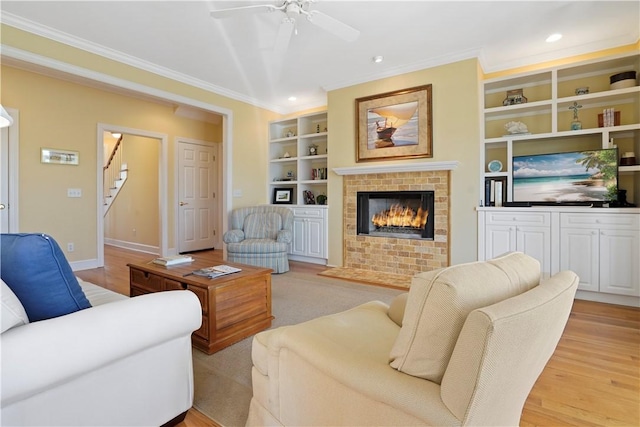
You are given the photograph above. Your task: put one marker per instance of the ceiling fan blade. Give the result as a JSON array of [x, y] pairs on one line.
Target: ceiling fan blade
[[244, 10], [334, 26], [284, 35]]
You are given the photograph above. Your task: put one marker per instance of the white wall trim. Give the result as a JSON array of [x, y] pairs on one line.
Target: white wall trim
[[133, 246], [14, 170], [405, 167], [162, 184]]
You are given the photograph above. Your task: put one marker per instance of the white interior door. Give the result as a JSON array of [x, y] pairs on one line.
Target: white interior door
[[197, 188], [9, 176]]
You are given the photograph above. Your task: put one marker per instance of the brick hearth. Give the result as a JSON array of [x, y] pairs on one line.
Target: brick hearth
[[394, 255]]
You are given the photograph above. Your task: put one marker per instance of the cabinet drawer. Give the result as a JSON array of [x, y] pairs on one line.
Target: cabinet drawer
[[308, 212], [202, 296], [619, 221], [173, 285], [520, 218], [203, 332], [146, 280]]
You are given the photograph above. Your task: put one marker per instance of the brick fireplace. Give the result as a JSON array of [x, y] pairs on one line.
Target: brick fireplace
[[397, 255]]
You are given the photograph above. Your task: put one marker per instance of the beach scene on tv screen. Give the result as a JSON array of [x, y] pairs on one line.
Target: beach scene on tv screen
[[583, 176]]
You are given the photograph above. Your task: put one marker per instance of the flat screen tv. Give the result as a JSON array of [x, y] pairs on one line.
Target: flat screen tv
[[577, 177]]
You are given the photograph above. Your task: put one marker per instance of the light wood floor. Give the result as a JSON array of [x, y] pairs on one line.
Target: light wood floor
[[592, 379]]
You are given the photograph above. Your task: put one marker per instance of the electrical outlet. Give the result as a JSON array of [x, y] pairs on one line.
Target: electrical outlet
[[70, 247]]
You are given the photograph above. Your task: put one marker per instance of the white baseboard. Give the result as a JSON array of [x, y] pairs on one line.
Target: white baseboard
[[321, 261], [138, 247], [608, 298], [86, 264]]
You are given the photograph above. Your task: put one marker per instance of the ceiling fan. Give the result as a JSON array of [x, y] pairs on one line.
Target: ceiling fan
[[293, 9]]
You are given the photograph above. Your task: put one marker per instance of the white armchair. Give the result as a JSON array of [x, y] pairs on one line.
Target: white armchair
[[466, 351]]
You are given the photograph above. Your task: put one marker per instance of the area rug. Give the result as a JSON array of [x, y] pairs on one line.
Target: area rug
[[389, 280], [223, 380]]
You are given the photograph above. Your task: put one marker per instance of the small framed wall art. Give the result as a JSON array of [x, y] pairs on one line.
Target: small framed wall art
[[60, 157], [283, 196]]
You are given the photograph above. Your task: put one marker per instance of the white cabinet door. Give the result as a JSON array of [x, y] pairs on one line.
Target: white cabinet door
[[535, 242], [309, 234], [620, 262], [499, 240], [314, 236], [579, 253], [298, 243]]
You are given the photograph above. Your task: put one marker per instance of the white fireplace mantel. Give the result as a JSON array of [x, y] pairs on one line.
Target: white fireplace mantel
[[406, 167]]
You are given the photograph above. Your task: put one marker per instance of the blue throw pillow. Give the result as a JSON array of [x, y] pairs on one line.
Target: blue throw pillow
[[36, 270]]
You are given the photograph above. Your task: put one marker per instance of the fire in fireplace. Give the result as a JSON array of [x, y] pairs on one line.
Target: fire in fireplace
[[399, 214]]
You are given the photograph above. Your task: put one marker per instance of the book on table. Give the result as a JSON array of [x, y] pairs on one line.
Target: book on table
[[168, 261], [215, 271]]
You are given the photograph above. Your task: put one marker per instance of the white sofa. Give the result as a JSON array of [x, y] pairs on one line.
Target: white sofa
[[466, 349], [122, 362]]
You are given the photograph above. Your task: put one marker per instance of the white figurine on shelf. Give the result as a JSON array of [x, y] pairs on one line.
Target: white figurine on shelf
[[516, 127]]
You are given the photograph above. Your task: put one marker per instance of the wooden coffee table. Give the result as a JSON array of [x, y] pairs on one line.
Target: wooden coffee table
[[234, 306]]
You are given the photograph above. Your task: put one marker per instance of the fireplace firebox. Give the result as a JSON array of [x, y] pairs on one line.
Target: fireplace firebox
[[397, 214]]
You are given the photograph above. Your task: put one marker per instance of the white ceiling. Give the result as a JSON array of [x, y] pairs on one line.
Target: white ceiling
[[234, 57]]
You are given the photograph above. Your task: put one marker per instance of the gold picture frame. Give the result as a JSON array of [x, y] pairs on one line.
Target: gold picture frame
[[60, 157], [395, 125]]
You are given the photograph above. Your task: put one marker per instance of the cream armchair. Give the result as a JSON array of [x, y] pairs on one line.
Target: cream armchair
[[260, 236], [466, 349]]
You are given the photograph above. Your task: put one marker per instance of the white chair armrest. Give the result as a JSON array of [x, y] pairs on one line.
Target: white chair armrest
[[233, 236], [284, 236], [45, 353]]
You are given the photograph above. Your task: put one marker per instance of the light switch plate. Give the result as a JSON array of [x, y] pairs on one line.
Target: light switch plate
[[74, 192]]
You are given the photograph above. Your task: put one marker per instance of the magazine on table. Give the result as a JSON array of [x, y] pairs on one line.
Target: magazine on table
[[215, 271]]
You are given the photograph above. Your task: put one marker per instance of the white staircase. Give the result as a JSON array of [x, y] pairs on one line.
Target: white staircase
[[114, 175], [112, 191]]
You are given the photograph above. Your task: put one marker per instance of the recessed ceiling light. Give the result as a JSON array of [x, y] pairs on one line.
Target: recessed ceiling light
[[292, 98], [377, 59], [554, 37]]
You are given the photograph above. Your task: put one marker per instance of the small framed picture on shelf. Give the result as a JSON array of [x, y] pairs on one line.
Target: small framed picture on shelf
[[514, 97], [283, 196]]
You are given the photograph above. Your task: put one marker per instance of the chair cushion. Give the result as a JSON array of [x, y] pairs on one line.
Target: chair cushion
[[439, 302], [262, 225], [13, 313], [35, 269]]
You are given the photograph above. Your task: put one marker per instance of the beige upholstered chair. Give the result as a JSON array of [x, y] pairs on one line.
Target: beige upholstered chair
[[260, 236], [465, 350]]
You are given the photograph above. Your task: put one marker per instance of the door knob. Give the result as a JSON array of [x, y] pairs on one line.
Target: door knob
[[2, 206], [183, 203]]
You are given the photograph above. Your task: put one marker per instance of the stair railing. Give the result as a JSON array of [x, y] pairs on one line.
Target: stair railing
[[111, 171]]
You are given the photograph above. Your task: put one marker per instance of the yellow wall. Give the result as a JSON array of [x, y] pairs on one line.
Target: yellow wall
[[455, 137], [60, 114]]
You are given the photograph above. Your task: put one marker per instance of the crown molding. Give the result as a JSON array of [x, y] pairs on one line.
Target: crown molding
[[409, 68], [44, 31], [556, 55], [14, 56]]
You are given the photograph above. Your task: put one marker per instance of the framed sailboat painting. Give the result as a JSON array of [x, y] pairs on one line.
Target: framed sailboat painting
[[395, 125]]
